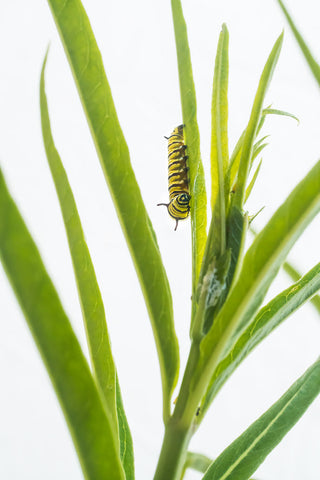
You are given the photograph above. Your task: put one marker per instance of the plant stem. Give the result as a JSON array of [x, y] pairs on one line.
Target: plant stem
[[179, 428], [173, 452]]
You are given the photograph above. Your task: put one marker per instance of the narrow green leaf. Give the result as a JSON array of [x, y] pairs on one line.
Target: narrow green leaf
[[251, 130], [235, 161], [266, 320], [249, 450], [253, 180], [219, 130], [314, 66], [126, 444], [215, 250], [260, 265], [256, 152], [90, 426], [88, 71], [88, 288], [189, 113], [259, 142], [295, 275], [237, 227], [273, 111]]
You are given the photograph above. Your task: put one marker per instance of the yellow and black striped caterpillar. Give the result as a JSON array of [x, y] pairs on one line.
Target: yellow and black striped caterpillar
[[178, 179]]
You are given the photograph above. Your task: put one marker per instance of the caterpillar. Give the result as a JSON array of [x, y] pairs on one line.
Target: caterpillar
[[178, 179]]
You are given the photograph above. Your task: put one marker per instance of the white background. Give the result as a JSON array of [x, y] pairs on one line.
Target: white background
[[137, 44]]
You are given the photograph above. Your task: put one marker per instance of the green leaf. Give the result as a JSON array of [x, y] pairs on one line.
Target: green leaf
[[237, 227], [235, 161], [88, 71], [260, 265], [256, 151], [267, 319], [88, 288], [126, 444], [273, 111], [216, 252], [88, 421], [219, 130], [295, 275], [252, 128], [248, 451], [189, 113], [314, 66], [258, 144], [253, 180]]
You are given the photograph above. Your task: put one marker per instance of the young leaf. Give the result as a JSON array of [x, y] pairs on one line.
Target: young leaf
[[266, 320], [247, 452], [235, 161], [189, 112], [93, 87], [216, 252], [260, 265], [253, 124], [314, 66], [219, 130], [87, 418], [273, 111], [253, 180]]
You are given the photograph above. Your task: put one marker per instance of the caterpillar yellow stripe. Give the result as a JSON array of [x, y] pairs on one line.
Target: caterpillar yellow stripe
[[178, 178]]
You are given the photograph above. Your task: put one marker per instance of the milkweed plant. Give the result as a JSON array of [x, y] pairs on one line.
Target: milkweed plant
[[229, 279]]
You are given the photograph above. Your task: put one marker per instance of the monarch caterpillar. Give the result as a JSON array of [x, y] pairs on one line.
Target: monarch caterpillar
[[178, 180]]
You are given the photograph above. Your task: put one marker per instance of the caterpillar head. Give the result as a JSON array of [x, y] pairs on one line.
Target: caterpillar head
[[183, 199], [179, 207]]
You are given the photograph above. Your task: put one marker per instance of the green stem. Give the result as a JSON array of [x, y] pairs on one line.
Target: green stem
[[179, 428], [173, 452]]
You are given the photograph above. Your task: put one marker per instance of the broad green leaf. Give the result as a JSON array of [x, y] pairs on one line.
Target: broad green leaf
[[266, 320], [219, 130], [189, 113], [88, 288], [253, 180], [88, 421], [260, 265], [251, 130], [242, 458], [126, 444], [314, 66], [93, 87], [295, 275]]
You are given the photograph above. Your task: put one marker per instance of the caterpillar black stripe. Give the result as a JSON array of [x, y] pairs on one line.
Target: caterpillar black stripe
[[178, 178]]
